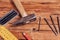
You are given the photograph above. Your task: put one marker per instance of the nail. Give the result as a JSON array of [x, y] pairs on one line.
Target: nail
[[53, 24], [50, 26], [58, 21], [39, 24]]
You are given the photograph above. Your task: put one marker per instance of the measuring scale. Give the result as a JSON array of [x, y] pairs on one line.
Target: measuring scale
[[6, 34]]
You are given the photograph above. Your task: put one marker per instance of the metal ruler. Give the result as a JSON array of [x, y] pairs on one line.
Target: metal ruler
[[6, 18]]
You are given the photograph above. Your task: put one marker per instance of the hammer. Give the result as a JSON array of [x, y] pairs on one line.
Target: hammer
[[25, 18]]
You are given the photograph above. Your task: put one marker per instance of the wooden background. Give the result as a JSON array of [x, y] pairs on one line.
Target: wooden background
[[41, 8]]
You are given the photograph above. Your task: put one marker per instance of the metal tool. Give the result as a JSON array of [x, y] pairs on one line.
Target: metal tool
[[39, 24], [53, 24], [34, 29], [8, 17], [58, 21], [50, 26], [26, 18]]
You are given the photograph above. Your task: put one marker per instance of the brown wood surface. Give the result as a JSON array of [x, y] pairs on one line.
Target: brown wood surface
[[42, 8]]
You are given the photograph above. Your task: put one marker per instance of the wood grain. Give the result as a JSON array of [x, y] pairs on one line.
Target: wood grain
[[50, 1], [42, 8]]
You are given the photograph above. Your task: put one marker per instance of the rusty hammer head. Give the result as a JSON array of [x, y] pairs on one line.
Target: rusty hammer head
[[25, 20]]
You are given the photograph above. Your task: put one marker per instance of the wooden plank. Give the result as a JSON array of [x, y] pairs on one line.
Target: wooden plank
[[52, 1], [43, 8]]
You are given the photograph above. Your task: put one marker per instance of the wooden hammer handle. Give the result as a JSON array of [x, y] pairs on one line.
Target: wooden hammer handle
[[20, 7]]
